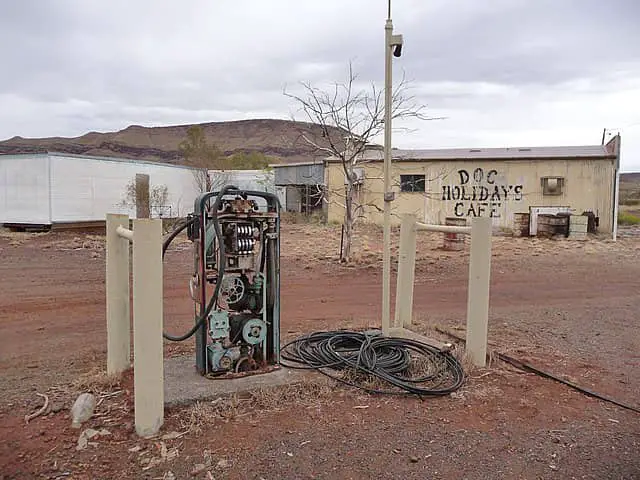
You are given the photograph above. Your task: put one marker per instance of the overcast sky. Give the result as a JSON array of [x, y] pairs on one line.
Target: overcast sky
[[503, 72]]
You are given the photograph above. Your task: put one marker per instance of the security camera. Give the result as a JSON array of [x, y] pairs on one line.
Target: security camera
[[396, 43]]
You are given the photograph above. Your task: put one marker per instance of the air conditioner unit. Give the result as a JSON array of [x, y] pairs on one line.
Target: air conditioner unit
[[357, 176]]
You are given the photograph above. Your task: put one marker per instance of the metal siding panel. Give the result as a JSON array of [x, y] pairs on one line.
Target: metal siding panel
[[245, 179], [281, 192], [24, 190], [300, 175]]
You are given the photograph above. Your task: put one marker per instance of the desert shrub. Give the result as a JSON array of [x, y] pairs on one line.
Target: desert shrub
[[627, 218]]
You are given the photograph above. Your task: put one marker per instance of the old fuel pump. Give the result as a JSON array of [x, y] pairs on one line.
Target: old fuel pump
[[236, 280]]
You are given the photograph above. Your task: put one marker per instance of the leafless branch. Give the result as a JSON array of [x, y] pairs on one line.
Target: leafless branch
[[349, 116]]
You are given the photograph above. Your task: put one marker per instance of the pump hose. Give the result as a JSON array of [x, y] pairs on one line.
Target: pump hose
[[408, 365], [221, 264]]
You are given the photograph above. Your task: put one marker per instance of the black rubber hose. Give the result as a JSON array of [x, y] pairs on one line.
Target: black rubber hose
[[175, 233], [271, 285], [387, 358], [221, 267]]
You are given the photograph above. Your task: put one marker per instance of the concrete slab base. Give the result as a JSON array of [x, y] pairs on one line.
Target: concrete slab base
[[184, 385]]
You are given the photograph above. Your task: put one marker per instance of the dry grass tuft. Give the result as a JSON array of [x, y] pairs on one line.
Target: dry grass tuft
[[97, 381], [460, 353], [307, 392], [203, 414], [422, 366], [367, 381]]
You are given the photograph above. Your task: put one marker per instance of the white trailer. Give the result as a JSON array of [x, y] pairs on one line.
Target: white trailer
[[53, 188]]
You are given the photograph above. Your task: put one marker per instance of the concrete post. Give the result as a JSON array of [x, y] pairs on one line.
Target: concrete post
[[478, 300], [406, 272], [147, 326], [117, 296]]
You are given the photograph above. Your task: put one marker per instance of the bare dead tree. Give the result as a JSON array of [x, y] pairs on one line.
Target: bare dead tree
[[350, 116]]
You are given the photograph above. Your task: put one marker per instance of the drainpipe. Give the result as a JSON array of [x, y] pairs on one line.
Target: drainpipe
[[616, 194]]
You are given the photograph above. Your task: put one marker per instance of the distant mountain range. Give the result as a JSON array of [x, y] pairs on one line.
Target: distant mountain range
[[282, 139]]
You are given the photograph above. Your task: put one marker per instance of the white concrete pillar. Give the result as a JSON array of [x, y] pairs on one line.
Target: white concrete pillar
[[147, 326], [478, 300], [117, 296], [406, 272]]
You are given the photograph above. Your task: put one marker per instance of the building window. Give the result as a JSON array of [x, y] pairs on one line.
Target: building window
[[412, 183], [552, 185]]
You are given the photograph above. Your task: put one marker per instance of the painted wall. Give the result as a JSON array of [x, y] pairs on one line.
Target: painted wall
[[86, 189], [496, 189], [24, 189]]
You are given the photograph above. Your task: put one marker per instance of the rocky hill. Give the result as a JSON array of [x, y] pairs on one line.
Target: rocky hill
[[275, 138]]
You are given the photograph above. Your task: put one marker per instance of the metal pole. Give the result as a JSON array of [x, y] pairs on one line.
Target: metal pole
[[388, 195], [616, 190]]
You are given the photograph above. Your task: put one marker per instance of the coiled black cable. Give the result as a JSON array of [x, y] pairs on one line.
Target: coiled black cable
[[410, 366]]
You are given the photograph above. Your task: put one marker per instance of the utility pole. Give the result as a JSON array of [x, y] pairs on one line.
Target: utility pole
[[392, 46]]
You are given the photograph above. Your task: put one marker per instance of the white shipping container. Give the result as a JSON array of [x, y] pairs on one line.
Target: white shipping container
[[58, 188]]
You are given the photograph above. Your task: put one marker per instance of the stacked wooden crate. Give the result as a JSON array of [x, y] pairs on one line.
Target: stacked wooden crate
[[550, 226]]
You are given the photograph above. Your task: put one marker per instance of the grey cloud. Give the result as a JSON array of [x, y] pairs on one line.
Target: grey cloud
[[77, 65], [519, 43]]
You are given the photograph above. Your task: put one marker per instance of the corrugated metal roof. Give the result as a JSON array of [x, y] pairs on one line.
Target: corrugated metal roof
[[522, 153], [296, 164]]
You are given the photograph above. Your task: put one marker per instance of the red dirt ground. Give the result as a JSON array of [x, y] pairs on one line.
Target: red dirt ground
[[569, 307]]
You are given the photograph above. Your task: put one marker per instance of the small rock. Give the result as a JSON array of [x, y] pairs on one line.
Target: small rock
[[413, 459], [137, 448], [82, 409], [224, 463], [197, 469], [169, 476], [208, 457], [84, 438]]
